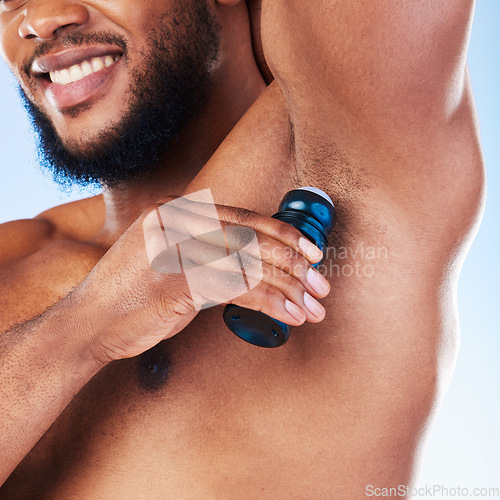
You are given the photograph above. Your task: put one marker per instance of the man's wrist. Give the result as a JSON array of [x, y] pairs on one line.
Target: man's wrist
[[74, 335]]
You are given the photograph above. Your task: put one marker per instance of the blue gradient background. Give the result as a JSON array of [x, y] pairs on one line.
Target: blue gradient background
[[464, 446]]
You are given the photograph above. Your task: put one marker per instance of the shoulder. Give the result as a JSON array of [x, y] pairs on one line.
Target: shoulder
[[73, 222], [44, 258], [79, 220]]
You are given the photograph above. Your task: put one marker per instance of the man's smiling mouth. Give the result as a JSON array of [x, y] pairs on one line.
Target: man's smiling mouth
[[79, 71], [72, 65], [71, 77]]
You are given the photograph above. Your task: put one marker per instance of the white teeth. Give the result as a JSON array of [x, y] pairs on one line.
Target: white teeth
[[76, 73], [108, 61], [79, 71], [64, 77], [86, 68], [97, 64]]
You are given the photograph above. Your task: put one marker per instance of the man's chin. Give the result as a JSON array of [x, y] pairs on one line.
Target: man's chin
[[167, 91]]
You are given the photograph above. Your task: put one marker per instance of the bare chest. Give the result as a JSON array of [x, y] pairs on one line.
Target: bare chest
[[206, 399]]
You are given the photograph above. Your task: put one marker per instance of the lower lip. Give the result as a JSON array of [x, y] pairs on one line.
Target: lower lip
[[64, 97]]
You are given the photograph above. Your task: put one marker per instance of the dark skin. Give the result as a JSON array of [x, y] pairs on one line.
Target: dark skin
[[255, 12], [386, 127]]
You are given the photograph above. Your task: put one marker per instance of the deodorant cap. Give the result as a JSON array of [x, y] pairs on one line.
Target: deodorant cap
[[310, 203], [317, 191]]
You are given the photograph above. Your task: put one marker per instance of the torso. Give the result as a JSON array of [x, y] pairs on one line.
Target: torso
[[205, 415]]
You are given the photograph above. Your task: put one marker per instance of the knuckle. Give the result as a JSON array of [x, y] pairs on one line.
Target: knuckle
[[269, 294], [293, 284], [232, 281], [265, 248], [245, 236], [294, 263], [287, 232], [290, 285], [243, 215], [300, 266]]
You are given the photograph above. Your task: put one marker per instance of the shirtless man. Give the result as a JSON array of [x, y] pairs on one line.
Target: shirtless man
[[371, 103]]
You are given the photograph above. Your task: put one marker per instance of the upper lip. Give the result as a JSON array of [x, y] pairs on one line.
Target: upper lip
[[69, 57]]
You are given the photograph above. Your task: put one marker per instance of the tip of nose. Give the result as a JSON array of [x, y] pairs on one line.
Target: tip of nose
[[41, 21]]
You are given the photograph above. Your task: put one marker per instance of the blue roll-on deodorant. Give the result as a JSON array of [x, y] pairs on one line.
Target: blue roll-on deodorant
[[311, 211]]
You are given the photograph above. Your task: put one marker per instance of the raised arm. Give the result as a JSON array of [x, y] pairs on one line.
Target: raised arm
[[383, 119], [372, 59], [381, 79]]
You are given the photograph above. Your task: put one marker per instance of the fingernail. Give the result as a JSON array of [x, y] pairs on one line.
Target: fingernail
[[312, 252], [317, 281], [313, 306], [294, 310]]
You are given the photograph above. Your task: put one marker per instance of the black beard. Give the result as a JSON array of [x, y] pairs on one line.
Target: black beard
[[166, 93]]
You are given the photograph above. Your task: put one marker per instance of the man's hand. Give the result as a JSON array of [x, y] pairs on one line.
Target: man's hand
[[173, 261], [136, 297]]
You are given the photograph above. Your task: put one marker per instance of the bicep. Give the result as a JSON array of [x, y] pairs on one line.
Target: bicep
[[372, 60]]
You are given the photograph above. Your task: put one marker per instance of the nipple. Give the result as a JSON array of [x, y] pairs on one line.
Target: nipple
[[153, 368]]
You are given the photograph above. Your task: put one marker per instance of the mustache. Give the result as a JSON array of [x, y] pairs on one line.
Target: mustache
[[70, 40]]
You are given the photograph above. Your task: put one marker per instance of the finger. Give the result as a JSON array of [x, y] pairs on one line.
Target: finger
[[214, 284], [249, 244], [274, 228], [294, 291], [278, 259], [176, 215], [271, 301]]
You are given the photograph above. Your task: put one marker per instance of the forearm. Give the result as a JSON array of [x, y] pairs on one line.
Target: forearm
[[43, 364]]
